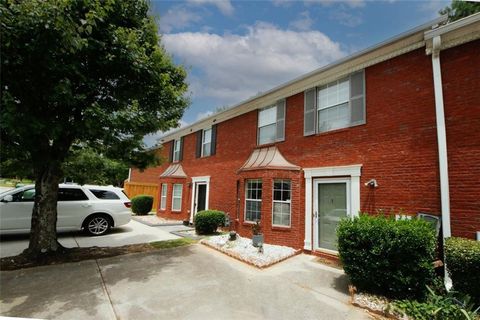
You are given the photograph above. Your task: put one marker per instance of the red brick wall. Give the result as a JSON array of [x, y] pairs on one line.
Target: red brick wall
[[461, 92], [397, 146]]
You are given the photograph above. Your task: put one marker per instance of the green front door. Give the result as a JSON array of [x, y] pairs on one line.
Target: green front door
[[332, 206]]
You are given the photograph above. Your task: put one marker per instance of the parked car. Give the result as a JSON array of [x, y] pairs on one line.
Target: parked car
[[94, 209]]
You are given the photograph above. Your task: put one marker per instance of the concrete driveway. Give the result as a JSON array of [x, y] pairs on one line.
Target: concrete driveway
[[193, 282], [131, 233]]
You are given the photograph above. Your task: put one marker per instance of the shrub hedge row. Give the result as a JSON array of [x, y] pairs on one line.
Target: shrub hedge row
[[207, 222], [463, 265], [142, 204], [387, 257]]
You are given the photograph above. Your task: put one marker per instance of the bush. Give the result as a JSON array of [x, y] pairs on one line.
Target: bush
[[207, 222], [439, 307], [387, 257], [142, 204], [463, 265]]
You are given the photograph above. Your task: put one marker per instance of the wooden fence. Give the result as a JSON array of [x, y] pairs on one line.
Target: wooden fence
[[133, 189]]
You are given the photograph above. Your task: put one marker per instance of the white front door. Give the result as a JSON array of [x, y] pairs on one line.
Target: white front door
[[331, 204], [200, 194]]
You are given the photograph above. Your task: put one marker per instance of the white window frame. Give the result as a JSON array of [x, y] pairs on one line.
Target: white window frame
[[206, 142], [289, 202], [177, 197], [176, 150], [250, 199], [274, 123], [335, 105], [163, 197]]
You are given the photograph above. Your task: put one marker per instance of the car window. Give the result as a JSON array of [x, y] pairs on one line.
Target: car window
[[71, 194], [24, 196], [104, 194]]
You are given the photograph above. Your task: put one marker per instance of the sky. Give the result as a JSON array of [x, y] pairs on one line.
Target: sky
[[233, 50]]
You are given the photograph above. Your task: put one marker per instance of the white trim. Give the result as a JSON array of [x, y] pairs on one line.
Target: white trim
[[289, 202], [164, 197], [352, 171], [129, 174], [248, 199], [195, 181], [452, 26]]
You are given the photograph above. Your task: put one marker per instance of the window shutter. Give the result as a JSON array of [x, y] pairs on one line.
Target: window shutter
[[198, 149], [170, 156], [310, 112], [357, 98], [180, 156], [213, 144], [281, 120]]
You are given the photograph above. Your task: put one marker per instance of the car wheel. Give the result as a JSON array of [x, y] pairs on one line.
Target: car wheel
[[97, 225]]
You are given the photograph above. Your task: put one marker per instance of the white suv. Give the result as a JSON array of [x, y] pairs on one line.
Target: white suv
[[94, 209]]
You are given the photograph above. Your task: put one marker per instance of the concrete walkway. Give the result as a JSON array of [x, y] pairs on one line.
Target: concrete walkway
[[131, 233], [192, 282]]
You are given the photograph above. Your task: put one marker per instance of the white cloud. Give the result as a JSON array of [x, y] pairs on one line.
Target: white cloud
[[177, 18], [225, 6], [150, 140], [303, 23], [346, 19], [235, 67]]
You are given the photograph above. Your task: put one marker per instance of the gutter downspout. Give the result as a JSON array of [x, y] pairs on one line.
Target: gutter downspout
[[441, 137], [442, 147]]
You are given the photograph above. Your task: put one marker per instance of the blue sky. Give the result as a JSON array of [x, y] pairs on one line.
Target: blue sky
[[235, 49]]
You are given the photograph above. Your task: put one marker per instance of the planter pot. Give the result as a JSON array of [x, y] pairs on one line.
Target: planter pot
[[233, 236], [257, 239], [186, 223]]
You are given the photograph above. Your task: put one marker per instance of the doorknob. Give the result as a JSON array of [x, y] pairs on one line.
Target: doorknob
[[315, 215]]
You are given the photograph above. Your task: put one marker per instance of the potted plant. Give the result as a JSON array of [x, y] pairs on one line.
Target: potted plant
[[257, 238]]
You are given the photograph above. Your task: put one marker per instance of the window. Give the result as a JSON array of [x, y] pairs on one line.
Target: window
[[281, 202], [163, 197], [24, 196], [104, 194], [71, 194], [176, 150], [339, 104], [177, 197], [253, 200], [271, 123], [333, 100], [206, 142]]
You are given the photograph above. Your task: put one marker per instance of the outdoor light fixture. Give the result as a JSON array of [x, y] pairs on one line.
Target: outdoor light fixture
[[372, 183]]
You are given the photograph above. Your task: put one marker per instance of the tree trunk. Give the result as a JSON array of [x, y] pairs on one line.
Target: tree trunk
[[43, 234]]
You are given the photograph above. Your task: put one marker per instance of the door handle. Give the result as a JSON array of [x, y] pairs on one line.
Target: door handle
[[315, 215], [86, 205]]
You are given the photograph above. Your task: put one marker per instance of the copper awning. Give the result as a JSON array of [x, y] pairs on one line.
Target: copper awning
[[267, 158], [175, 170]]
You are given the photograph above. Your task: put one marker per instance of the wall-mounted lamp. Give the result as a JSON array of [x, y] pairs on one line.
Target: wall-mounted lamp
[[372, 183]]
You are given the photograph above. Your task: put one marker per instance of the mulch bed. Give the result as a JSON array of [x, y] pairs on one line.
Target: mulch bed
[[72, 255]]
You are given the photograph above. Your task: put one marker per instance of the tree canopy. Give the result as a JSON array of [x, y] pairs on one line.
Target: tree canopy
[[460, 9], [82, 72]]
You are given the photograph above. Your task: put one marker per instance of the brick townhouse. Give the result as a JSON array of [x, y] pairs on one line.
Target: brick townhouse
[[395, 127]]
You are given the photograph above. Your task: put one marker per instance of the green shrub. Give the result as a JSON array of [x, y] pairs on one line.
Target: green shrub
[[463, 265], [142, 204], [387, 257], [207, 222], [439, 307]]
